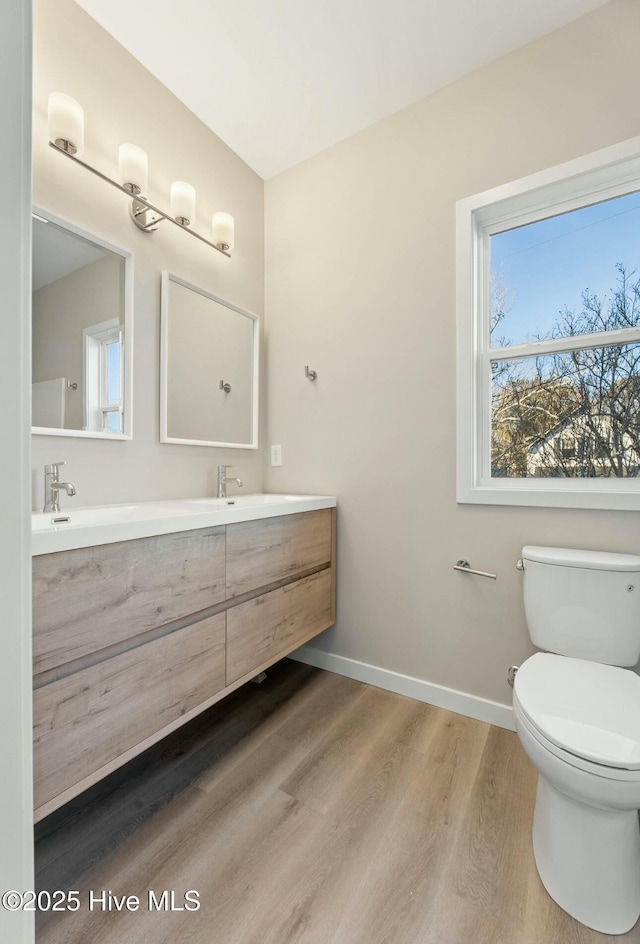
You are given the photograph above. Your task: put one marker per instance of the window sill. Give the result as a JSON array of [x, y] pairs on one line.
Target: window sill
[[616, 496]]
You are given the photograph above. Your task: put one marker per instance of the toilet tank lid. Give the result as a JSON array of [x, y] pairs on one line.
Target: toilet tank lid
[[589, 560]]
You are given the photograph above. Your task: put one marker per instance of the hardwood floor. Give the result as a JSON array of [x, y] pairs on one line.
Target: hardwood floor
[[311, 808]]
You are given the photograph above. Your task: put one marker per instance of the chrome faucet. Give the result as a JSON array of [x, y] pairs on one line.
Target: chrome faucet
[[53, 486], [224, 479]]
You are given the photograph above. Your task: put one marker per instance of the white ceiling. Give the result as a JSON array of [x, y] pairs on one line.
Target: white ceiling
[[280, 80]]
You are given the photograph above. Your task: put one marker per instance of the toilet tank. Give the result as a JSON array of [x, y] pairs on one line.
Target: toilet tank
[[584, 604]]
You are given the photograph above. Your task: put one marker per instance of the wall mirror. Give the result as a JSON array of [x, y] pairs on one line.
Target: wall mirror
[[209, 369], [82, 333]]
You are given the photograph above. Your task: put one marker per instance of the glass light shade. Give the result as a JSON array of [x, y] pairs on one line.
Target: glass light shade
[[222, 227], [66, 122], [183, 202], [134, 168]]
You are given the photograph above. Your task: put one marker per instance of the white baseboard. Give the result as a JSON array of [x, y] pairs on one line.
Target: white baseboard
[[482, 709]]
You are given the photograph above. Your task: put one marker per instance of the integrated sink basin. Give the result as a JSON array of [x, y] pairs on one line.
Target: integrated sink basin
[[107, 524], [248, 501], [106, 514]]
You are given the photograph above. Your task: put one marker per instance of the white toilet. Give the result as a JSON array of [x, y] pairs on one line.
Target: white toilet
[[578, 717]]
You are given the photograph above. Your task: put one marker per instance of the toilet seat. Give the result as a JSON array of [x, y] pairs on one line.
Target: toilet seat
[[584, 712], [612, 774]]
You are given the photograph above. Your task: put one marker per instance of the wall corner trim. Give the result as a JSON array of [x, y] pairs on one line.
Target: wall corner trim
[[472, 706]]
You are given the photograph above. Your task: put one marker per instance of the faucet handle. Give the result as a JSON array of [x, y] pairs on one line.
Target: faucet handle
[[54, 467]]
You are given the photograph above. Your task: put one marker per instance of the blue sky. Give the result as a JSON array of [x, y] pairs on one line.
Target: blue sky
[[547, 265], [113, 372]]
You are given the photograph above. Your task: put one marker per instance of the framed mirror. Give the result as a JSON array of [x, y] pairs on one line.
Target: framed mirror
[[82, 332], [209, 368]]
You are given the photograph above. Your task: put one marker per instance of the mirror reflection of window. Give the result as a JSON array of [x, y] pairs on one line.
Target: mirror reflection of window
[[102, 387], [77, 337], [112, 409]]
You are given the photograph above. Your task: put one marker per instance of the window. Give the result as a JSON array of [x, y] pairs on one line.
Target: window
[[548, 281], [103, 382]]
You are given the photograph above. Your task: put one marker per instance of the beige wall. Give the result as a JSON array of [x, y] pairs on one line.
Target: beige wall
[[123, 102], [361, 286]]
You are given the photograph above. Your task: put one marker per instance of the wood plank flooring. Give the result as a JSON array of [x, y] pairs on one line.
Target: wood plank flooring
[[311, 808]]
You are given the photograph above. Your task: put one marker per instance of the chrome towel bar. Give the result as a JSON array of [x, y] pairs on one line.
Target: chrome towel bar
[[465, 567]]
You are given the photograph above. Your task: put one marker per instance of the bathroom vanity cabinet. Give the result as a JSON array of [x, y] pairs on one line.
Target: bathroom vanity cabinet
[[134, 638]]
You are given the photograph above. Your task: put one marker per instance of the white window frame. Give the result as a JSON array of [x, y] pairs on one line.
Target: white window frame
[[95, 407], [602, 175]]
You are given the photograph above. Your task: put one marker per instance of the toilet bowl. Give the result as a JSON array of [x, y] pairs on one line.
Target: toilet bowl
[[579, 723]]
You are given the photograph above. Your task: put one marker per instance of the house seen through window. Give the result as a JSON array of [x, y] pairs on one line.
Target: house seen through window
[[564, 346]]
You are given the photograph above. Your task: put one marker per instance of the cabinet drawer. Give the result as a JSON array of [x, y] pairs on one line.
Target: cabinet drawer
[[262, 552], [90, 598], [273, 623], [84, 721]]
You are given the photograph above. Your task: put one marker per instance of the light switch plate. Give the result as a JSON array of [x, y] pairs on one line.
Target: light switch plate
[[276, 455]]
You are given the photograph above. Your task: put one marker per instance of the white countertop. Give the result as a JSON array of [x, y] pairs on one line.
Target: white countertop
[[106, 524]]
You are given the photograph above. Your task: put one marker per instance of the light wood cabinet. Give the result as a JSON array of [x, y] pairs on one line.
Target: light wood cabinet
[[95, 597], [83, 721], [262, 552], [133, 639], [259, 630]]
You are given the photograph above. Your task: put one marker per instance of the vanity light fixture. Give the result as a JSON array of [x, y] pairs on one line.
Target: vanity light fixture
[[134, 168], [222, 229], [66, 135], [66, 123], [183, 202]]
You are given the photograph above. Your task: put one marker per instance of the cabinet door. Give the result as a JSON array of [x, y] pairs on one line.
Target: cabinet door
[[90, 598], [273, 624], [87, 720], [263, 552]]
